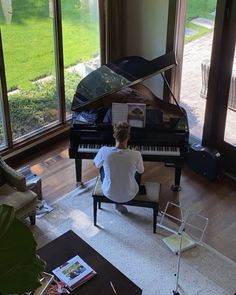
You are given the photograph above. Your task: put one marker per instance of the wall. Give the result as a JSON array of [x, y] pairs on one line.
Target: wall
[[145, 30]]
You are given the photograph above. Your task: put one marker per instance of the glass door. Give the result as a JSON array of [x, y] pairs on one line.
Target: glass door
[[230, 126], [199, 27], [210, 99]]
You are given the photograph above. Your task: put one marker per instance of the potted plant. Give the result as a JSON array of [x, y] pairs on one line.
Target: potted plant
[[20, 266]]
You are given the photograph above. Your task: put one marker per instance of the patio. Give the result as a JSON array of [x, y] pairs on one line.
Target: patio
[[194, 53]]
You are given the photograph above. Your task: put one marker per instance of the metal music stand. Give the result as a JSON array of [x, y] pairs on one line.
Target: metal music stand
[[191, 223]]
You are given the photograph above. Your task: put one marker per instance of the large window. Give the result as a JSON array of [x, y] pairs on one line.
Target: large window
[[28, 48], [230, 127], [2, 133], [31, 50], [80, 25]]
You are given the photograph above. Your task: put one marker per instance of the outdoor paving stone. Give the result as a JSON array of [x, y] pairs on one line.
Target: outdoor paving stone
[[194, 53], [204, 22], [190, 32]]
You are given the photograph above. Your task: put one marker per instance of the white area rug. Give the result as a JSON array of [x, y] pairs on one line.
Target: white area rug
[[128, 243]]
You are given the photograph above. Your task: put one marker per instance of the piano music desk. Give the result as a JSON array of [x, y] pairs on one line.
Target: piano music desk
[[149, 200]]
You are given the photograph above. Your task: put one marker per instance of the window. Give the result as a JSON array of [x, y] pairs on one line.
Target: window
[[29, 31], [216, 128], [2, 134], [80, 25], [199, 26], [230, 134]]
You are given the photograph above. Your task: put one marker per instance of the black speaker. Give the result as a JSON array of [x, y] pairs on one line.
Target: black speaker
[[205, 161]]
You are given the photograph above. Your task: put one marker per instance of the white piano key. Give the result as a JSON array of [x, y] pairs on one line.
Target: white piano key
[[145, 150]]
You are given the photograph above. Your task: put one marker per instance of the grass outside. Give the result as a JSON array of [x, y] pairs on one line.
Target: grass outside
[[28, 40], [29, 45], [199, 8], [29, 55]]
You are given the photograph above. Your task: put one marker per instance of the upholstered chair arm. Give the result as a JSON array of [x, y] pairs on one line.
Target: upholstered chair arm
[[13, 177]]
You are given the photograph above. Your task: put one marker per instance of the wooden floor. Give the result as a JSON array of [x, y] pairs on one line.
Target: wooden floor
[[215, 200]]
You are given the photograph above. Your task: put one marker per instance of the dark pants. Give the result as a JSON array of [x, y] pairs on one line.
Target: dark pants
[[137, 176]]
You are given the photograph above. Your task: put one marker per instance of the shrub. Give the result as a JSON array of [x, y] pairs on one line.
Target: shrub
[[34, 108]]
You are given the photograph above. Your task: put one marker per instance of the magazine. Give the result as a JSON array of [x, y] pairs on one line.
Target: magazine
[[132, 113], [74, 272], [173, 242]]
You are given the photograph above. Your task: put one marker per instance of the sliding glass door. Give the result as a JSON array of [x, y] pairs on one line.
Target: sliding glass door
[[230, 126], [212, 115], [199, 27]]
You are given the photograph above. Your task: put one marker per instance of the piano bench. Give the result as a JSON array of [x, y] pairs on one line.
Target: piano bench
[[149, 200]]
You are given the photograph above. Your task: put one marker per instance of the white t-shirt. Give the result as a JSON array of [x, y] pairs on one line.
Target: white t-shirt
[[120, 166]]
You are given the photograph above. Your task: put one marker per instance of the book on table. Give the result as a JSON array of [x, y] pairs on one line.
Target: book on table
[[174, 240], [74, 272]]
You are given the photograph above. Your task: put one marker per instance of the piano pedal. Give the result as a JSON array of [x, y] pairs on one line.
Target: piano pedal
[[176, 188]]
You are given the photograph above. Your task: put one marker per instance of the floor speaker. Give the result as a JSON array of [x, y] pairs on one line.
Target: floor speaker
[[205, 161]]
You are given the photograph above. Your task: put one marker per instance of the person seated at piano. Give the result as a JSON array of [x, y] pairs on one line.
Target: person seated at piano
[[120, 168]]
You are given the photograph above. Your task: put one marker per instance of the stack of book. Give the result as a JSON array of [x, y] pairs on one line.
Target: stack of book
[[74, 272]]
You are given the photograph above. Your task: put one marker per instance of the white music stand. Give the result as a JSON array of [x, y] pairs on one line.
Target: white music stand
[[190, 223]]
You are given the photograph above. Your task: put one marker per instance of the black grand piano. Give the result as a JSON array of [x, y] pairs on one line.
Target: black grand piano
[[165, 135]]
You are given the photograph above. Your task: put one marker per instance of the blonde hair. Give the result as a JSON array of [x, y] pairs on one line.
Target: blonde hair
[[121, 131]]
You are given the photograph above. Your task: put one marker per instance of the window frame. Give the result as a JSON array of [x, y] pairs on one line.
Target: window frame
[[58, 129]]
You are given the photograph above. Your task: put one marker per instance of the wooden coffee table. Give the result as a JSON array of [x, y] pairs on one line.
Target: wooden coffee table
[[68, 245]]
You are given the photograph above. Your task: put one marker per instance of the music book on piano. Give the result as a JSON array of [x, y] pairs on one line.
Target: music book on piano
[[132, 113]]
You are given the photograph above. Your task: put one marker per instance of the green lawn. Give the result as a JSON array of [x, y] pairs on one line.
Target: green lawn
[[199, 8], [28, 40]]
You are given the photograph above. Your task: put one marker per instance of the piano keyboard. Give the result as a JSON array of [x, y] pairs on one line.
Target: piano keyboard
[[145, 150]]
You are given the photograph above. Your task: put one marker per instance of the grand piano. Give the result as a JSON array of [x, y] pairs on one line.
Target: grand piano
[[165, 135]]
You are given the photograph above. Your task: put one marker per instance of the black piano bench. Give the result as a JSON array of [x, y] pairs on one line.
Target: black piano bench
[[149, 200]]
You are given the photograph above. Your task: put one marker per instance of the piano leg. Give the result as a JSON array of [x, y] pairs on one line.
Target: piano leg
[[176, 187], [78, 171]]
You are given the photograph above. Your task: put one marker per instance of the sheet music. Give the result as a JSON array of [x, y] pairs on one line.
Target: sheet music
[[136, 114], [119, 112], [132, 113]]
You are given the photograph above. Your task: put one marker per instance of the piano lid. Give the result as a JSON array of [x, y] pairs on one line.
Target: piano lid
[[116, 75]]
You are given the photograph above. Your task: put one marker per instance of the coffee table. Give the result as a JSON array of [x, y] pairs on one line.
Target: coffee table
[[68, 245]]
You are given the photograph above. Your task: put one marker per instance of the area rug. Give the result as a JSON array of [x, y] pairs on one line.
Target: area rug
[[128, 242]]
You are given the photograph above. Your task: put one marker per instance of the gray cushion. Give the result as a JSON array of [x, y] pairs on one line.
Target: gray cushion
[[14, 198], [12, 177]]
